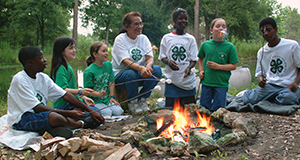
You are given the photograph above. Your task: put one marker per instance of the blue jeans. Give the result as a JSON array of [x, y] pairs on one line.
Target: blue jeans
[[39, 121], [112, 110], [213, 98], [273, 93], [132, 87]]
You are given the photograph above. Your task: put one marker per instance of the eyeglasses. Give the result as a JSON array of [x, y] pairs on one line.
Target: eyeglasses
[[138, 24]]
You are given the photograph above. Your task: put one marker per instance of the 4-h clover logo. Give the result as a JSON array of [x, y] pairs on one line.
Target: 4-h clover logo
[[276, 66], [40, 98], [178, 53], [136, 54]]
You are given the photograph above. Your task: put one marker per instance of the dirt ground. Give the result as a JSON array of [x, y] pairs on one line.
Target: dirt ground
[[277, 138]]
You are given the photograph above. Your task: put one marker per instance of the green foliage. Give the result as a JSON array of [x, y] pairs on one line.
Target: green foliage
[[8, 54], [143, 154], [247, 49], [244, 157], [27, 154], [199, 155], [218, 155]]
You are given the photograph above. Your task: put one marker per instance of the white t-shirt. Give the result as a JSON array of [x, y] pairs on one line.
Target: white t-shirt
[[125, 47], [25, 93], [182, 49], [279, 63]]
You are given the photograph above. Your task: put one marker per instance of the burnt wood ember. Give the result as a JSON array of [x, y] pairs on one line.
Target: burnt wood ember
[[162, 128]]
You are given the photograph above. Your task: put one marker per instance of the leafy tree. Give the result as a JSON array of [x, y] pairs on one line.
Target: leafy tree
[[33, 22], [102, 13], [292, 23]]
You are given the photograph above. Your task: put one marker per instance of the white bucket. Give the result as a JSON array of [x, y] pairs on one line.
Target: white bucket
[[240, 78]]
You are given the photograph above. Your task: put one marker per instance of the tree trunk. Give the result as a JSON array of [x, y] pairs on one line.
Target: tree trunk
[[75, 21], [42, 33], [196, 26], [107, 32]]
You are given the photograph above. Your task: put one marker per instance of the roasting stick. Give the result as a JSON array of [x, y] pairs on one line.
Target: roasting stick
[[155, 88]]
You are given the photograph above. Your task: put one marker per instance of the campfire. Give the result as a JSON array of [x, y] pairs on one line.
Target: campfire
[[183, 123]]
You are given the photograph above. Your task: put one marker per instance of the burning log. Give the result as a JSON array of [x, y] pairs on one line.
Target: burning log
[[165, 126]]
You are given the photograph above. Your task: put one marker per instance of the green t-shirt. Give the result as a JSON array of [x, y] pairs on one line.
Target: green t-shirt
[[224, 53], [96, 77], [64, 79]]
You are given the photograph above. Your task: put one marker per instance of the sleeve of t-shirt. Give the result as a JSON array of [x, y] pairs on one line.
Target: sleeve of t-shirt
[[258, 67], [296, 54], [233, 55], [112, 76], [23, 94], [61, 77], [162, 49], [119, 50], [148, 48], [88, 79], [193, 51], [55, 92], [201, 53]]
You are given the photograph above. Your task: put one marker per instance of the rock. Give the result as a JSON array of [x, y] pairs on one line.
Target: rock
[[245, 124], [132, 137], [232, 138], [147, 135]]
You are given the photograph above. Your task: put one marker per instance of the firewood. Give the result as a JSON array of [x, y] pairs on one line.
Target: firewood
[[47, 135], [119, 154], [112, 139], [75, 144], [74, 156], [104, 155], [48, 142], [86, 142], [97, 148], [64, 147], [133, 153], [52, 153]]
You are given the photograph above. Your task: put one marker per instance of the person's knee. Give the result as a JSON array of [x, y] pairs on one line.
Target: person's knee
[[106, 112], [157, 71], [56, 119], [118, 111]]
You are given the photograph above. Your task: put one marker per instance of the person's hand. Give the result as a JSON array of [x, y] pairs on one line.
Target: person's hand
[[262, 81], [98, 117], [149, 67], [86, 91], [146, 72], [173, 65], [293, 87], [112, 100], [187, 72], [212, 65], [102, 93], [88, 101], [201, 75], [74, 113]]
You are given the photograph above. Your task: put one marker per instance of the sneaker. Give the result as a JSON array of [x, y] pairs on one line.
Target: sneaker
[[89, 122], [60, 132], [143, 104], [134, 107]]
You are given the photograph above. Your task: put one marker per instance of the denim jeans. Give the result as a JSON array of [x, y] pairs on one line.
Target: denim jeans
[[112, 110], [133, 87], [39, 121], [273, 93], [213, 98]]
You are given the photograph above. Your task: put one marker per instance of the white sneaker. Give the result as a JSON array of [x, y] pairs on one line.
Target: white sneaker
[[143, 104], [134, 107]]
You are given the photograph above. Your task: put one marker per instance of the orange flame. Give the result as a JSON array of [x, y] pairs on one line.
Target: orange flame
[[184, 123]]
